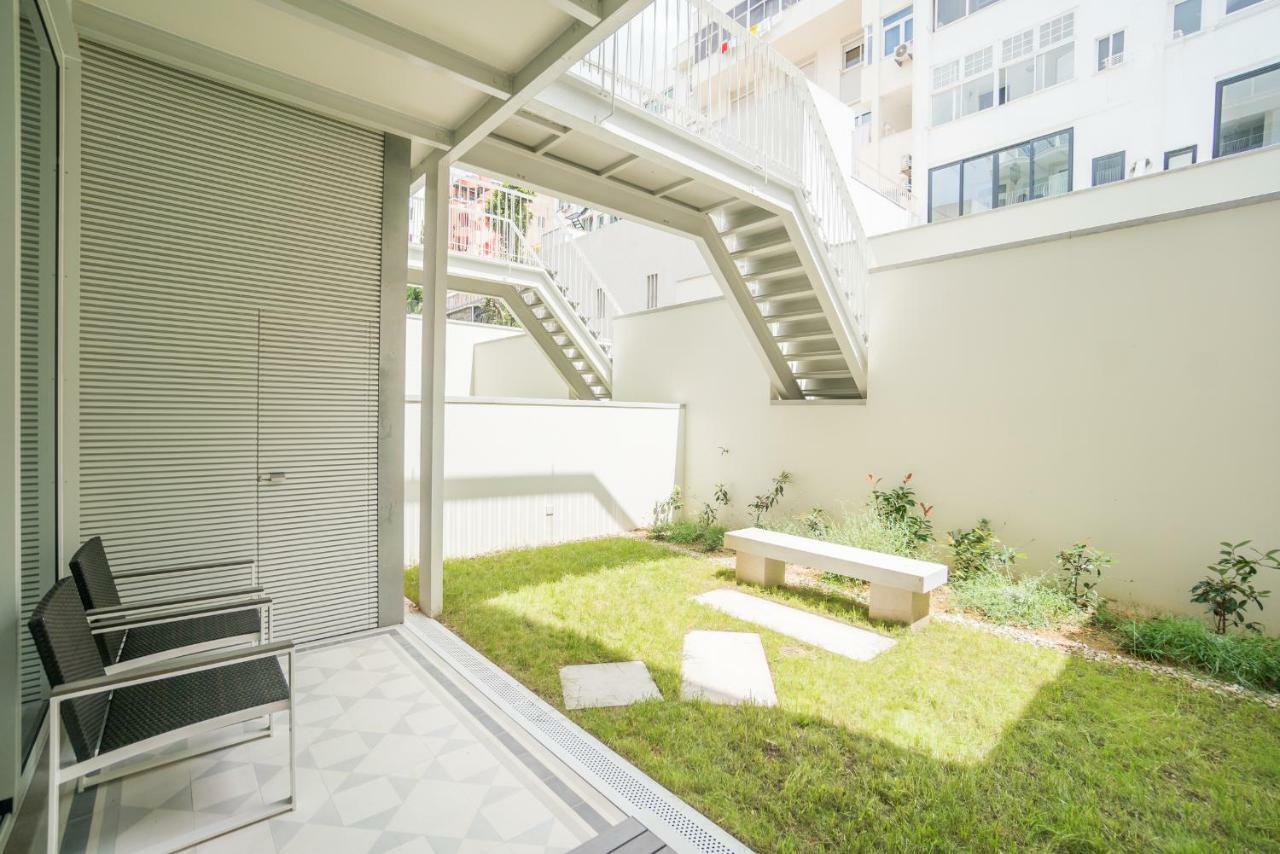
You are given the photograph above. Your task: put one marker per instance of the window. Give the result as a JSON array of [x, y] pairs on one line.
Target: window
[[1110, 50], [1108, 168], [1247, 112], [897, 30], [1029, 170], [651, 291], [1179, 157], [1237, 5], [853, 55], [1186, 17], [1029, 60], [946, 11]]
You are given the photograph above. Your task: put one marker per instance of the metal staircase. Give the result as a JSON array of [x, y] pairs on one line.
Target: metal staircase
[[548, 285], [685, 120]]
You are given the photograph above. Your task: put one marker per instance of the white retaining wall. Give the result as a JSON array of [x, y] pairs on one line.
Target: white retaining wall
[[1118, 387], [523, 473]]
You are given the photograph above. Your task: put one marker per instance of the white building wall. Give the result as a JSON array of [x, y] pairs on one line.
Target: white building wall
[[625, 253], [1115, 387], [520, 473], [515, 366]]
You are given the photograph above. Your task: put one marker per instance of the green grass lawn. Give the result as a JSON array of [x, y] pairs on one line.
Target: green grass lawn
[[954, 739]]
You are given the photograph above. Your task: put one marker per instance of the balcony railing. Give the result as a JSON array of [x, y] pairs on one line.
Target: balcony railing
[[498, 224], [693, 67]]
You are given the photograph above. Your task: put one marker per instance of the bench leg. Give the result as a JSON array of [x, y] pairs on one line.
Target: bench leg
[[898, 606], [755, 569]]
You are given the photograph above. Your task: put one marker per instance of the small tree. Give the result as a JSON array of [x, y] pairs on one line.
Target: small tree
[[976, 550], [1084, 567], [1228, 590], [765, 502], [898, 506], [711, 512]]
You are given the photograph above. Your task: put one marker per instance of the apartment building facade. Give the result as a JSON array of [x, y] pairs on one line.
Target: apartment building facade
[[977, 104]]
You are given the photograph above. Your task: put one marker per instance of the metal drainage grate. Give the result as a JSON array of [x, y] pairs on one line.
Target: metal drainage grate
[[679, 825]]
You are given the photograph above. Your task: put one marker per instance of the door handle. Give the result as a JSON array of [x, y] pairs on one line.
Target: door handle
[[272, 477]]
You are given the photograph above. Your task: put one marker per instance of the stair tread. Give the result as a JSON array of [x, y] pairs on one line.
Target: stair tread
[[804, 336]]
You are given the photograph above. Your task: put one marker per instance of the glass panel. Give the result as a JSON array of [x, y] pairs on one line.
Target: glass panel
[[1250, 113], [898, 15], [1237, 5], [908, 28], [38, 345], [1056, 66], [1181, 157], [944, 106], [1117, 44], [950, 10], [944, 193], [892, 38], [978, 177], [1051, 157], [977, 94], [1017, 80], [1108, 168], [1186, 17], [1104, 51], [1013, 179]]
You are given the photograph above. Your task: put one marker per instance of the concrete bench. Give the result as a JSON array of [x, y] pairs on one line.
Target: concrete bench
[[900, 586]]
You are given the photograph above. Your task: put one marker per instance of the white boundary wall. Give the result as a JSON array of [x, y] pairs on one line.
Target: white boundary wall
[[521, 473], [1117, 386]]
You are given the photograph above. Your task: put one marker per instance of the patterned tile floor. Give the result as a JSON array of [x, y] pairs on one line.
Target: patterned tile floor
[[393, 755]]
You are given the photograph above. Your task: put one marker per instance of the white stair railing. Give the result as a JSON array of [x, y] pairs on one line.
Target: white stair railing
[[578, 280], [692, 66]]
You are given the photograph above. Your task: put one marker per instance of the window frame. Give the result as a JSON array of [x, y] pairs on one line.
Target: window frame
[[968, 11], [1173, 19], [1110, 61], [850, 45], [899, 20], [1193, 150], [1093, 168], [995, 183], [1217, 103], [1227, 10]]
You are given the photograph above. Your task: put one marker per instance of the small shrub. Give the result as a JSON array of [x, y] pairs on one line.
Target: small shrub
[[900, 508], [1033, 601], [1082, 565], [765, 502], [1248, 659], [978, 549], [862, 528], [710, 512], [691, 533], [1228, 590], [666, 511]]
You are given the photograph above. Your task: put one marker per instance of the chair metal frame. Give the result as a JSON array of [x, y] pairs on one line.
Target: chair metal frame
[[99, 768]]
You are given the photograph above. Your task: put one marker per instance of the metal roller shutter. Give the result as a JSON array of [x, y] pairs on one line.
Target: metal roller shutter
[[230, 284]]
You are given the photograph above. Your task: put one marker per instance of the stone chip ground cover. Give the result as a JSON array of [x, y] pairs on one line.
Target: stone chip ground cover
[[954, 739]]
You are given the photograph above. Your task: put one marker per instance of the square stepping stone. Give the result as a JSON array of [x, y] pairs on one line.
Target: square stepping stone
[[824, 633], [726, 667], [589, 686]]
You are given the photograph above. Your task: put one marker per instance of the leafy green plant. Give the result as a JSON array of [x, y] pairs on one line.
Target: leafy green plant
[[413, 299], [1248, 659], [666, 511], [1033, 601], [1083, 566], [899, 506], [710, 511], [766, 501], [1228, 590], [862, 528], [687, 532], [978, 549]]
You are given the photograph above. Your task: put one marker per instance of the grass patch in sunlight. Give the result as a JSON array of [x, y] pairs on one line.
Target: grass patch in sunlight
[[954, 739]]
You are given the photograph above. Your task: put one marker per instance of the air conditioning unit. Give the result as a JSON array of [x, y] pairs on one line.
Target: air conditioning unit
[[902, 53], [905, 167]]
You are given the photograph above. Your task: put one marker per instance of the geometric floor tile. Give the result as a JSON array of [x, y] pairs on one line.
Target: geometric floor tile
[[387, 760]]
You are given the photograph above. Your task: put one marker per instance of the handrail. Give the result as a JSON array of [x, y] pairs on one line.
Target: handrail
[[692, 66]]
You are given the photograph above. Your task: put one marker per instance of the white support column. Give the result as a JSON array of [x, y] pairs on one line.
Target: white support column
[[391, 378], [435, 284]]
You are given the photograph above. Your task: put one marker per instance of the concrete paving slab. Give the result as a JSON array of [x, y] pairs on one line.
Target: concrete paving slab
[[726, 667], [589, 686], [823, 632]]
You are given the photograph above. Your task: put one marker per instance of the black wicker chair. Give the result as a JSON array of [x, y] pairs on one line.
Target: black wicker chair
[[141, 632], [113, 720]]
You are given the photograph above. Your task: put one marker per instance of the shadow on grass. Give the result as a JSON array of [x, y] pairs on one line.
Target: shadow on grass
[[1092, 758]]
